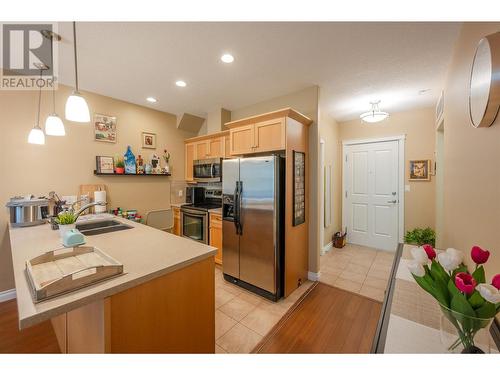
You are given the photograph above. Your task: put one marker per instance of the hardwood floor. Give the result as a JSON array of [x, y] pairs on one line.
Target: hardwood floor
[[328, 320], [37, 339]]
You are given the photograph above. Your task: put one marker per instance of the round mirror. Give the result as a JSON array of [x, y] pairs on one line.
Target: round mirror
[[484, 98]]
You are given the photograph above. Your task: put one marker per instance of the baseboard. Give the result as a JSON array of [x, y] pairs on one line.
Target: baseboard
[[313, 276], [327, 248], [7, 295]]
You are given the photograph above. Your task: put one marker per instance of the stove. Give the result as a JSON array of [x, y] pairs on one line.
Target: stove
[[202, 206]]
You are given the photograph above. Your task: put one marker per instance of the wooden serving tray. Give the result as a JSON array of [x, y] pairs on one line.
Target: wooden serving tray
[[67, 269]]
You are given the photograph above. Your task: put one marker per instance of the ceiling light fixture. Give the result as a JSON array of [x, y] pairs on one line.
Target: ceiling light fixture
[[180, 83], [375, 115], [227, 58], [151, 99], [77, 109], [53, 124], [36, 136]]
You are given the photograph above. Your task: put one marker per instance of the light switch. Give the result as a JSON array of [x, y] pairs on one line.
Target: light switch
[[407, 187], [180, 193]]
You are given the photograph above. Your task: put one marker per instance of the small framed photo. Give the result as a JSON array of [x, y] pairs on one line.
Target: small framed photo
[[104, 164], [104, 128], [148, 140], [420, 170]]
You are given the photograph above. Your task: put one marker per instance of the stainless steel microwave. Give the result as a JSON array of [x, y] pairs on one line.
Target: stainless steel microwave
[[207, 170]]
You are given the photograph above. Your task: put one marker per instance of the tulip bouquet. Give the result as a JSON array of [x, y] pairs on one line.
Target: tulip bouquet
[[466, 300]]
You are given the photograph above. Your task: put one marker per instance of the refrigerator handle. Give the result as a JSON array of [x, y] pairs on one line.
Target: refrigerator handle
[[240, 190], [235, 208]]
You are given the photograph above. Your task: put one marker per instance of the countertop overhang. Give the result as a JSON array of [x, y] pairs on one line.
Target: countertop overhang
[[146, 253]]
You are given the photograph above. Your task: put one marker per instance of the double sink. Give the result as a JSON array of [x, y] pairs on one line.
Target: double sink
[[101, 227]]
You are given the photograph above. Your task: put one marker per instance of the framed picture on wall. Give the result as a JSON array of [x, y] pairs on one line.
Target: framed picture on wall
[[104, 164], [420, 170], [104, 128], [299, 188], [148, 140]]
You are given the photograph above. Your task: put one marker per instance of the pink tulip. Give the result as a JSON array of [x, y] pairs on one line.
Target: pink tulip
[[496, 281], [429, 250], [465, 282], [478, 255]]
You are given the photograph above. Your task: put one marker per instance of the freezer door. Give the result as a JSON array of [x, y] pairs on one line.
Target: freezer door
[[258, 222], [230, 237]]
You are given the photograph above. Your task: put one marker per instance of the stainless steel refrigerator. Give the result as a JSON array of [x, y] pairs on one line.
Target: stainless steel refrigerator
[[252, 227]]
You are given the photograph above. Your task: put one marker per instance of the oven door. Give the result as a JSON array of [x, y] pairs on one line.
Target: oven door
[[194, 224]]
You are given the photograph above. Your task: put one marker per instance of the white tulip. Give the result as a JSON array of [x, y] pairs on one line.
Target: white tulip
[[416, 268], [419, 254], [489, 293], [450, 259]]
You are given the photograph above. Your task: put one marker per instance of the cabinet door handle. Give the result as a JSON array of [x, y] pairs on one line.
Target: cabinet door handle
[[393, 201]]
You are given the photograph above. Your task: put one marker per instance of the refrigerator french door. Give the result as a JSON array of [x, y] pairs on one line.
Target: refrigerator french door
[[252, 223]]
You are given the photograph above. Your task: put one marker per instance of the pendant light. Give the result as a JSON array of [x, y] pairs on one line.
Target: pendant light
[[77, 109], [53, 124], [36, 135], [375, 115]]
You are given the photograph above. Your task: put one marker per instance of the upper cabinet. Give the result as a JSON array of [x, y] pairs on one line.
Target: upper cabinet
[[189, 157], [242, 140], [262, 133], [216, 147]]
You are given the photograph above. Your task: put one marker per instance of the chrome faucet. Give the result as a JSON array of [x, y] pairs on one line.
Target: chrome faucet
[[87, 206]]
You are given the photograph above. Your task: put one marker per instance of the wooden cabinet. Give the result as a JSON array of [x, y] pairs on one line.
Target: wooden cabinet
[[216, 235], [189, 158], [227, 148], [241, 140], [201, 150], [216, 147], [264, 136], [177, 221], [270, 135]]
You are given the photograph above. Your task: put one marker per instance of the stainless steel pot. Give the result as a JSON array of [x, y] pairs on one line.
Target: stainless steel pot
[[27, 212]]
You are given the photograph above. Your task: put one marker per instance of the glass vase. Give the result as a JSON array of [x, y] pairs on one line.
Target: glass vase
[[464, 334]]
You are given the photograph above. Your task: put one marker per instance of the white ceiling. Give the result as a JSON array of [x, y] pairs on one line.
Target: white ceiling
[[352, 63]]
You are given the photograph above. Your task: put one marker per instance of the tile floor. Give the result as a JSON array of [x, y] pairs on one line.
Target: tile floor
[[242, 318], [357, 269]]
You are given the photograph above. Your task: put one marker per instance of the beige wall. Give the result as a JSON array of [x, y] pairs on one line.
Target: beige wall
[[329, 132], [472, 160], [64, 163], [306, 102], [418, 126]]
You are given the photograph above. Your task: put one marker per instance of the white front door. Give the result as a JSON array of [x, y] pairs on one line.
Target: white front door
[[371, 198]]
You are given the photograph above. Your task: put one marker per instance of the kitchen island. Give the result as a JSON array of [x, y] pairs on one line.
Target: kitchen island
[[164, 302]]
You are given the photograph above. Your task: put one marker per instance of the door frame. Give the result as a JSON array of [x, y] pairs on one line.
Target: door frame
[[401, 176]]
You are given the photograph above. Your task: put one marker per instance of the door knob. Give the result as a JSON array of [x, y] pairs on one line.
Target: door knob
[[393, 201]]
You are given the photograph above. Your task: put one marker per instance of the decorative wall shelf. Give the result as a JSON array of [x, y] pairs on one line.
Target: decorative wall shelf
[[131, 175]]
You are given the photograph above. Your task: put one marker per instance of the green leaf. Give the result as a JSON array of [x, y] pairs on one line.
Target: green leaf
[[486, 311], [460, 304], [452, 288], [478, 275], [476, 300], [419, 236]]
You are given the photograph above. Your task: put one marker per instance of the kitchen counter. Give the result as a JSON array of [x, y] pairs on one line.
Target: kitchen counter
[[146, 254]]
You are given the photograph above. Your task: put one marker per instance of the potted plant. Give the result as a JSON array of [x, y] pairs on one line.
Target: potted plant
[[468, 303], [66, 221], [419, 237], [119, 166]]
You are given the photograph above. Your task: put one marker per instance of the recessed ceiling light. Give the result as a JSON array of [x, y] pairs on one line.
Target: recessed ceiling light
[[151, 99], [181, 83], [227, 58]]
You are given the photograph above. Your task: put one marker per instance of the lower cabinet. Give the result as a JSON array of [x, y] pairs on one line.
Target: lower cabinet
[[216, 235], [177, 221]]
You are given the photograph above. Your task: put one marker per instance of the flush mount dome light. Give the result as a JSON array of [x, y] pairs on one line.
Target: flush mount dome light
[[151, 99], [375, 115], [227, 58], [180, 83]]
